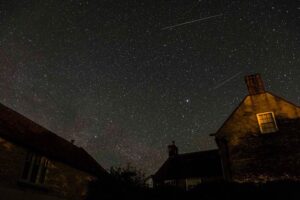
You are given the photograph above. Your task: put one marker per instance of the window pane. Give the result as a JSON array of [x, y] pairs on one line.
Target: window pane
[[27, 165], [267, 122], [43, 171], [35, 169]]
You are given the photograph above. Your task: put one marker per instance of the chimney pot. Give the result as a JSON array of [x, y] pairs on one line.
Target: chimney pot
[[255, 84], [172, 149]]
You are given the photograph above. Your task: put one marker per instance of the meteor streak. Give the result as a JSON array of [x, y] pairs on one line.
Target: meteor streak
[[189, 22], [226, 81]]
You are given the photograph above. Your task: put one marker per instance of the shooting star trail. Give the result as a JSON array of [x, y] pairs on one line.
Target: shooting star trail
[[189, 22], [226, 81]]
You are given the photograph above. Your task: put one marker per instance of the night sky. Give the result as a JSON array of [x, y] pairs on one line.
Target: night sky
[[109, 75]]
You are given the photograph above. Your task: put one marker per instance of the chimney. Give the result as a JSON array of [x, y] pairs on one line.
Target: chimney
[[172, 149], [255, 84]]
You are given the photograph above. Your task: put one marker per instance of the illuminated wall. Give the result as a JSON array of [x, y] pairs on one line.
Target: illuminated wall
[[250, 155]]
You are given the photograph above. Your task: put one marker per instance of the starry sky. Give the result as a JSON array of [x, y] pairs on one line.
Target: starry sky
[[109, 75]]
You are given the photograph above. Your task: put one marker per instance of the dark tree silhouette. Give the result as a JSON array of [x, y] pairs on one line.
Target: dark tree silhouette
[[129, 176], [123, 182]]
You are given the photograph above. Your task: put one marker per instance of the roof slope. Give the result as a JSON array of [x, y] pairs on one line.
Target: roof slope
[[244, 115], [197, 164], [22, 131]]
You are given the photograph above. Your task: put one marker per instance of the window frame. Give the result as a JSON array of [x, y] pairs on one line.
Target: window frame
[[35, 176], [260, 123]]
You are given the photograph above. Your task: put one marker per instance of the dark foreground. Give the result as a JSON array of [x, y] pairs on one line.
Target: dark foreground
[[224, 191]]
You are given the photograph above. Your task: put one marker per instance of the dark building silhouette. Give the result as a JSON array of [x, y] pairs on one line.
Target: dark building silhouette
[[260, 141], [37, 164], [187, 170]]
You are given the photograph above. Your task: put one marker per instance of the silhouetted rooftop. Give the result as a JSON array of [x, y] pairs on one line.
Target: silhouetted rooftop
[[24, 132], [197, 164]]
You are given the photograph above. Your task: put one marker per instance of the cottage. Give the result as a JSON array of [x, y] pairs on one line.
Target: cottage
[[260, 140], [188, 170], [37, 164]]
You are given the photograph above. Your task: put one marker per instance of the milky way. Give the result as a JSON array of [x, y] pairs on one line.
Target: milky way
[[105, 74]]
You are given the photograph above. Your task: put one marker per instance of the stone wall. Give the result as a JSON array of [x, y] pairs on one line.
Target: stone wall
[[252, 156], [270, 157], [12, 160]]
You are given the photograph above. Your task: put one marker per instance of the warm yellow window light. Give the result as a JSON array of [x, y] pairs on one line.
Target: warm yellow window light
[[267, 122]]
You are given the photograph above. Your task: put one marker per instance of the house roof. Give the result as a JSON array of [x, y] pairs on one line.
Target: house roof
[[242, 102], [197, 164], [230, 116], [24, 132]]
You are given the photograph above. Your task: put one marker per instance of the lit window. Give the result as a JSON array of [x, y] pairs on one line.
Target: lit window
[[35, 169], [170, 182], [192, 183], [267, 122]]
